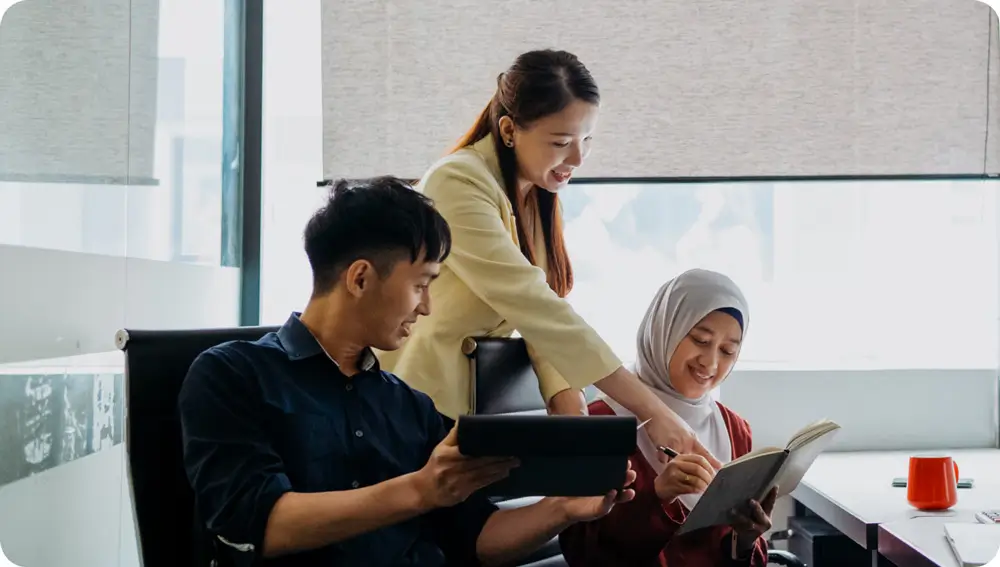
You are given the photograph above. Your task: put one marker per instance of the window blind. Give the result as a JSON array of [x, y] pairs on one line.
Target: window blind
[[78, 91], [689, 89]]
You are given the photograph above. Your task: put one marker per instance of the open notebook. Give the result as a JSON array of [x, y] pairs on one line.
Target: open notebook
[[974, 545], [754, 474]]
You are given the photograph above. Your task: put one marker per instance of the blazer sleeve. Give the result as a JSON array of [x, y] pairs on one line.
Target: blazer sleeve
[[550, 382], [486, 259]]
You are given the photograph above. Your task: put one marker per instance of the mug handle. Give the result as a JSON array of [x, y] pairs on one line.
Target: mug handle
[[955, 463]]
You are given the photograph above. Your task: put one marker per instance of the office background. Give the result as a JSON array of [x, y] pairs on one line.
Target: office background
[[158, 161]]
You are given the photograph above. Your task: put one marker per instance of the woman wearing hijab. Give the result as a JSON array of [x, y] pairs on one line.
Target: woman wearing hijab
[[688, 342]]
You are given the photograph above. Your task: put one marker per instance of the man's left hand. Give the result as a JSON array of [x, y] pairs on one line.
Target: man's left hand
[[587, 508]]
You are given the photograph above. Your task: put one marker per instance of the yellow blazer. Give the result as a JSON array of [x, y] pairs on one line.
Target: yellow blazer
[[488, 288]]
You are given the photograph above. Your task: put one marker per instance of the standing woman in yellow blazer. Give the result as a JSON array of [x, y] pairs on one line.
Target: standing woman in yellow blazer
[[508, 268]]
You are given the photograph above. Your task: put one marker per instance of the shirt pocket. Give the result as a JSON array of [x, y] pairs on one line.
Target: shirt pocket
[[314, 451]]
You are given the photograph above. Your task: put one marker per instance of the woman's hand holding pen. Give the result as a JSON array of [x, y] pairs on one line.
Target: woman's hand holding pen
[[684, 474]]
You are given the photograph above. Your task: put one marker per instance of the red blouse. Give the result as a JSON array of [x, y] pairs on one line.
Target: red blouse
[[640, 533]]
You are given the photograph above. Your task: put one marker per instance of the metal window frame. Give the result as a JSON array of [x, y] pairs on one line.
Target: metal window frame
[[250, 184]]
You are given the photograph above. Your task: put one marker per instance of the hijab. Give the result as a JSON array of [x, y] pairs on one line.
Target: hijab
[[675, 309]]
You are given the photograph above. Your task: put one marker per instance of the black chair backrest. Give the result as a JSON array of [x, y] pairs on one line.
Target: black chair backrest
[[156, 363], [503, 379]]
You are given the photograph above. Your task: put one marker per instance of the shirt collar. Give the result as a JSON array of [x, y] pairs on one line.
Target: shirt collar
[[299, 343]]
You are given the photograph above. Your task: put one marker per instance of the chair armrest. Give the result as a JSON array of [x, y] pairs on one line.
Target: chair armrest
[[781, 557]]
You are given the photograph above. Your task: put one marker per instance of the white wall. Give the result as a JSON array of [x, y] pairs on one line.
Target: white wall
[[49, 314], [77, 514], [878, 409]]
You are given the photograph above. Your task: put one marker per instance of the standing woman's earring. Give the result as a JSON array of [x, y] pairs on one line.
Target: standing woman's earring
[[510, 143]]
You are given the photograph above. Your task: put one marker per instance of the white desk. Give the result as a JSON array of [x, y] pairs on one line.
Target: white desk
[[920, 542], [853, 492]]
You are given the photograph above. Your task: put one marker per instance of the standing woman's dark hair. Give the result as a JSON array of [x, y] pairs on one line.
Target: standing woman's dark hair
[[538, 84]]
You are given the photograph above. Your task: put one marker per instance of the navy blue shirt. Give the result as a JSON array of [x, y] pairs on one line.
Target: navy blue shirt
[[263, 418]]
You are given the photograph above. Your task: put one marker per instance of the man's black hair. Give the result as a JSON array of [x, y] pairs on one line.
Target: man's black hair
[[382, 220]]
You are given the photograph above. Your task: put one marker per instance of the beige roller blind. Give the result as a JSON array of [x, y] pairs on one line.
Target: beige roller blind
[[78, 85], [693, 88]]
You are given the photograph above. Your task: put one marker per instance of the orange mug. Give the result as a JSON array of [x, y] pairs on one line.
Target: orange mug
[[933, 483]]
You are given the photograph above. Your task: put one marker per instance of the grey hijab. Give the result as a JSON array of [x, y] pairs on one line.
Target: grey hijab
[[676, 308]]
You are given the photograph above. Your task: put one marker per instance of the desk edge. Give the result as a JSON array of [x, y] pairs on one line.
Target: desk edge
[[900, 551], [861, 532]]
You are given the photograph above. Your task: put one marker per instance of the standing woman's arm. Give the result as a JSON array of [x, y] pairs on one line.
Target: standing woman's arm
[[560, 397], [486, 259]]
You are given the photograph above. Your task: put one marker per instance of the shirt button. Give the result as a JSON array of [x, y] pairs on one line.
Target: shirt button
[[349, 387], [359, 433], [355, 484]]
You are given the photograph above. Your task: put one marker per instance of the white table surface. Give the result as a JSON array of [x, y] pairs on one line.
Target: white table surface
[[920, 542], [853, 492]]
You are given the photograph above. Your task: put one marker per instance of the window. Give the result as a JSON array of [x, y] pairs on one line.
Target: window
[[145, 162], [839, 275], [119, 208], [292, 153]]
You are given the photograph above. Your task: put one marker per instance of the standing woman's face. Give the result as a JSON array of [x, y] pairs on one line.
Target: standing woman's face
[[551, 148]]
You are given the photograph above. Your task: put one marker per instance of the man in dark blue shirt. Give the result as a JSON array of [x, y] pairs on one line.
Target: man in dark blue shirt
[[302, 452]]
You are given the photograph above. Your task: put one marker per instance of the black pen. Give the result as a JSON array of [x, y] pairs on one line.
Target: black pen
[[668, 451]]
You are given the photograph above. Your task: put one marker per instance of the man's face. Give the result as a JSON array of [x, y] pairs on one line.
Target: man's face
[[396, 300]]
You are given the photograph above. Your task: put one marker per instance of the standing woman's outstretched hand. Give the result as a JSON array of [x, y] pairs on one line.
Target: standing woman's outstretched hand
[[670, 431], [665, 427]]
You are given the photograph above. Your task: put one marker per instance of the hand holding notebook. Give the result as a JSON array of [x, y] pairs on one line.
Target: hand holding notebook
[[752, 476]]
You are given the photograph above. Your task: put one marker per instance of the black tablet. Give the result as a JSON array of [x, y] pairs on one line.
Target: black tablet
[[559, 455]]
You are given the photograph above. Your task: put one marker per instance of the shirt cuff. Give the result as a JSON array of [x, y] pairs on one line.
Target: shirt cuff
[[246, 546], [674, 511], [732, 552]]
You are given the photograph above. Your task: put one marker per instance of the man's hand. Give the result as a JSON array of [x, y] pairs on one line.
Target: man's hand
[[751, 523], [568, 402], [585, 509], [666, 429], [685, 474], [449, 477]]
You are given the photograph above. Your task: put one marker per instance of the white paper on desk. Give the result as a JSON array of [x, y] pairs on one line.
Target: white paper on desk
[[975, 545]]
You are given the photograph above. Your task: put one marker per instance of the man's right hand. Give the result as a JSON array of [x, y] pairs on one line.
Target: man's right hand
[[449, 477], [685, 474]]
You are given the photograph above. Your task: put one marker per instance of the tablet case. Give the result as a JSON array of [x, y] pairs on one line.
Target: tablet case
[[559, 455]]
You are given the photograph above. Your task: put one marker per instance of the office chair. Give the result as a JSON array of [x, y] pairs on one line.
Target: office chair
[[504, 381], [156, 363]]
